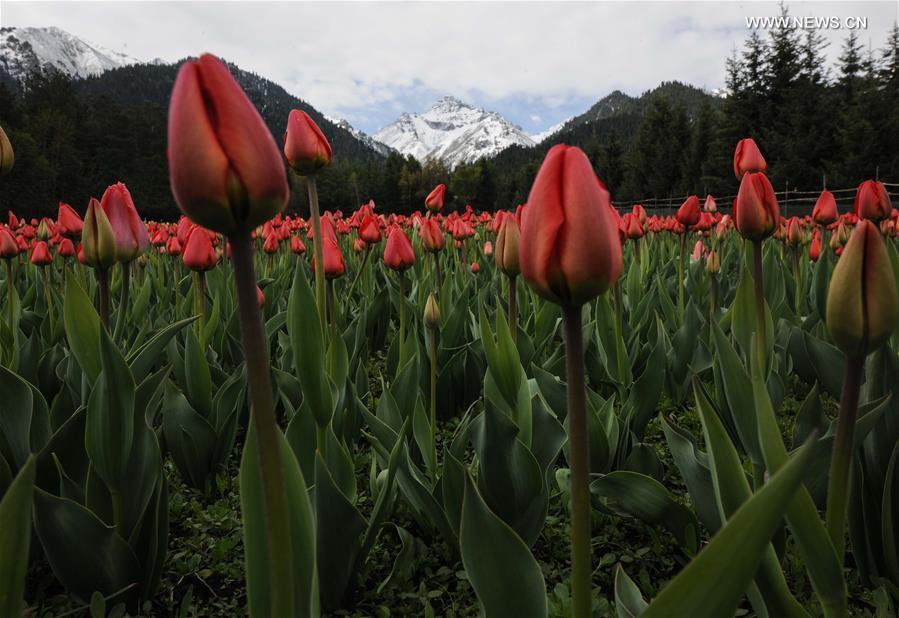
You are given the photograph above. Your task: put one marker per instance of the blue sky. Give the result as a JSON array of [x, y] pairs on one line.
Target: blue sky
[[536, 63]]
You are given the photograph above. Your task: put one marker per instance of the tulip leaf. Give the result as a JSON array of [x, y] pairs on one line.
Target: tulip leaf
[[302, 530], [694, 468], [15, 538], [109, 431], [16, 419], [640, 496], [715, 580], [503, 572], [629, 602], [197, 377], [82, 328], [307, 343], [189, 437], [144, 358], [84, 553]]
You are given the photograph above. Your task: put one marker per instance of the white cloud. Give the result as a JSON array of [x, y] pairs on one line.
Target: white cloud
[[371, 60]]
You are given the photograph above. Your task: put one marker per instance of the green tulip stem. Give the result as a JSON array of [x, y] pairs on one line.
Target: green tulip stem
[[797, 281], [200, 303], [402, 310], [332, 349], [841, 458], [581, 570], [680, 275], [274, 487], [352, 287], [436, 255], [761, 336], [48, 296], [318, 250], [619, 330], [513, 309], [432, 353], [123, 301], [713, 296], [118, 510], [103, 289], [10, 287]]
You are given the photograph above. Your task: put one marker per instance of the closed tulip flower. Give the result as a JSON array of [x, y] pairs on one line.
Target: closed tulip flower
[[297, 246], [66, 248], [814, 249], [68, 223], [633, 228], [9, 248], [795, 235], [7, 157], [475, 268], [569, 251], [40, 254], [872, 201], [435, 199], [432, 238], [198, 254], [862, 306], [756, 211], [97, 237], [689, 212], [825, 211], [305, 146], [370, 230], [226, 172], [748, 158], [507, 243], [270, 244], [335, 267], [488, 248], [130, 233], [398, 253]]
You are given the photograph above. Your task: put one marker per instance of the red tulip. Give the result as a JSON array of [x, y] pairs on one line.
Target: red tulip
[[475, 269], [305, 146], [68, 223], [66, 248], [872, 201], [398, 253], [226, 172], [710, 204], [8, 246], [333, 258], [130, 233], [197, 253], [432, 238], [434, 201], [40, 254], [488, 248], [297, 246], [814, 249], [825, 211], [794, 232], [569, 250], [369, 230], [260, 297], [689, 212], [748, 158], [173, 246], [359, 245], [270, 244], [756, 212]]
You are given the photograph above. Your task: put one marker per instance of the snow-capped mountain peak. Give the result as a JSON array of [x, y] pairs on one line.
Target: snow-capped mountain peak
[[23, 50], [542, 135], [452, 131]]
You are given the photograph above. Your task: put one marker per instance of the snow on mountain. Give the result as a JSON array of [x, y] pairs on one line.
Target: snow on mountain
[[23, 50], [362, 136], [539, 137], [453, 132]]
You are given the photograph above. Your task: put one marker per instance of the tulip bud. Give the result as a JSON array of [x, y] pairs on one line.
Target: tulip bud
[[748, 158], [68, 223], [488, 248], [335, 267], [398, 253], [65, 249], [814, 249], [197, 253], [475, 268], [794, 232], [297, 246], [872, 201], [710, 204], [97, 237], [507, 242], [130, 233], [713, 263], [434, 201], [7, 157], [862, 304], [369, 230], [226, 172], [432, 312], [689, 212], [432, 238], [305, 146], [9, 248], [43, 232], [569, 251], [825, 211], [756, 213], [260, 297], [40, 254]]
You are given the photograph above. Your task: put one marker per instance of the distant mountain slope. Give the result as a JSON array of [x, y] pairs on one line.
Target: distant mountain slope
[[452, 131]]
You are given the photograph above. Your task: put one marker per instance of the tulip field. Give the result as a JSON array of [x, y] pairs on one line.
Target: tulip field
[[559, 409]]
